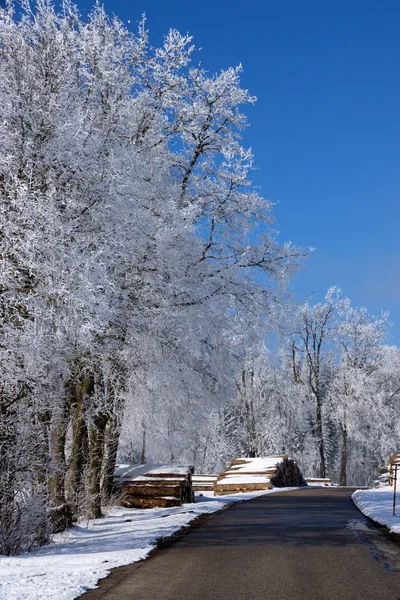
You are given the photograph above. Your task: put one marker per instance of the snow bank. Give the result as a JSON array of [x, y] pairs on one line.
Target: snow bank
[[377, 504], [76, 560]]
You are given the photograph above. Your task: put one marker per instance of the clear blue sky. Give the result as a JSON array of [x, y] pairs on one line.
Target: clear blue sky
[[326, 128]]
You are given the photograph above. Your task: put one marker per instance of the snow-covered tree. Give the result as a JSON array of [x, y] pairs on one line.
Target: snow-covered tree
[[128, 228], [360, 338], [314, 328]]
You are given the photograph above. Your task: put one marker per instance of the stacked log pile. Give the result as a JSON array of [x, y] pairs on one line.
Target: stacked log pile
[[203, 482], [247, 475], [162, 487], [126, 472], [253, 474], [318, 481]]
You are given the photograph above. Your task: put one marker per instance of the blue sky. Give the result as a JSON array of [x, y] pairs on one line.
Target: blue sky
[[325, 131]]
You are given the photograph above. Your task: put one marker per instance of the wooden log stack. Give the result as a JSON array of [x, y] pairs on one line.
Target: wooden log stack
[[318, 481], [262, 473], [203, 482], [162, 487], [246, 475]]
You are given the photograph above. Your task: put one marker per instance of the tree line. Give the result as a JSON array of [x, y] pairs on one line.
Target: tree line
[[328, 395]]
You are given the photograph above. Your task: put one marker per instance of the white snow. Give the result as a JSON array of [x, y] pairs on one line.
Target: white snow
[[130, 471], [168, 470], [377, 504], [76, 560], [257, 464]]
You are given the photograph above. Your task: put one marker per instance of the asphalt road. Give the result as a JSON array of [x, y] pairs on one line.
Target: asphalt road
[[302, 545]]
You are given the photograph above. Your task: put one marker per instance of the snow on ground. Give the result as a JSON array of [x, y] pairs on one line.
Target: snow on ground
[[75, 560], [377, 504]]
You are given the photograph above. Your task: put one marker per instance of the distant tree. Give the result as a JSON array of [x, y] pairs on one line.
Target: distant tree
[[315, 327], [360, 338]]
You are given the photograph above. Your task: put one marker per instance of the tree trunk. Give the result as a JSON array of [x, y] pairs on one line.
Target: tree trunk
[[9, 539], [110, 457], [320, 441], [96, 453], [343, 458], [143, 453], [61, 513], [79, 451], [44, 419], [250, 448]]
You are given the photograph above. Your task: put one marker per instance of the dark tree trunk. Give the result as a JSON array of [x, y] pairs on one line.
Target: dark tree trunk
[[79, 451], [320, 439], [44, 421], [9, 542], [143, 453], [343, 458], [250, 449], [96, 453], [60, 511], [112, 440]]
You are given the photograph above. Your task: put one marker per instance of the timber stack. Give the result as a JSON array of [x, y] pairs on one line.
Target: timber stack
[[162, 487], [317, 481], [262, 473], [203, 482]]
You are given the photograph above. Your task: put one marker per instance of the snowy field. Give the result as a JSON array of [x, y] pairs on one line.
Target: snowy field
[[75, 560], [377, 504]]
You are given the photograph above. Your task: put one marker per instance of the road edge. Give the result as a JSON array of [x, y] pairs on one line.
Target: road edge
[[383, 526]]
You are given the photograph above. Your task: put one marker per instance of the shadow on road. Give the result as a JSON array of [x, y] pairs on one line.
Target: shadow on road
[[330, 520]]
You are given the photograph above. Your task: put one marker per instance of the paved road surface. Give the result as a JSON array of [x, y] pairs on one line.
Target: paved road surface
[[300, 545]]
